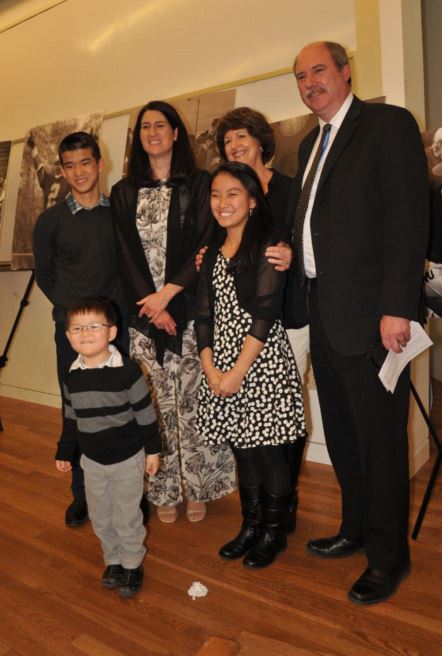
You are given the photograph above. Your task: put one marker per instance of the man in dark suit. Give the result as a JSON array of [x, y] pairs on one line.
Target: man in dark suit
[[359, 218]]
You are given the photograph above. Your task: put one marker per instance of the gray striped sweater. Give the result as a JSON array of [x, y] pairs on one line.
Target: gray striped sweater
[[109, 415]]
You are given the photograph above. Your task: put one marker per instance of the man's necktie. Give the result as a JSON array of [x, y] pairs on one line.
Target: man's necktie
[[301, 208]]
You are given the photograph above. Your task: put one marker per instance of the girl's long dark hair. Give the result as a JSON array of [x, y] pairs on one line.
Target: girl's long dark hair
[[259, 229], [183, 161]]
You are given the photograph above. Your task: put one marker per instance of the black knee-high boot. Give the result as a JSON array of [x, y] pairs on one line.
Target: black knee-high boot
[[250, 496], [273, 538], [294, 452]]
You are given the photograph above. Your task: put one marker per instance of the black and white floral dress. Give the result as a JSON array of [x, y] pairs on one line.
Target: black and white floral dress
[[268, 409], [189, 467]]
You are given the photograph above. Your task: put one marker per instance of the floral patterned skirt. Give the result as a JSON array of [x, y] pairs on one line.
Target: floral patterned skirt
[[189, 468]]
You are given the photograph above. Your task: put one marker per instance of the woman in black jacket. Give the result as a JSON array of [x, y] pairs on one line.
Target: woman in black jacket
[[251, 396], [162, 216]]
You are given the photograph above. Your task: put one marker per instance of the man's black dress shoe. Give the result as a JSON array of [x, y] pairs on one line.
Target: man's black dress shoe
[[130, 582], [76, 514], [335, 546], [112, 576], [375, 585]]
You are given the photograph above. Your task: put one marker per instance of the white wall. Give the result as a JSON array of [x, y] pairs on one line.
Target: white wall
[[402, 55], [86, 56]]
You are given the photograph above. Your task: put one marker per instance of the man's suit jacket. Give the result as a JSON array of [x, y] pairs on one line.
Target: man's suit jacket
[[369, 223]]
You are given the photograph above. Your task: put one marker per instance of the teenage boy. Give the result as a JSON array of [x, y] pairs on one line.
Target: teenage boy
[[109, 416], [75, 256]]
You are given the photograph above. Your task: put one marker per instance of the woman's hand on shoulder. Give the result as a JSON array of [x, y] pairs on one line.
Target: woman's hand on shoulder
[[199, 257], [280, 255], [165, 322]]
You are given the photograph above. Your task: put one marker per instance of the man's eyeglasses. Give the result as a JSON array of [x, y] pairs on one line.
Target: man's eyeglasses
[[93, 327]]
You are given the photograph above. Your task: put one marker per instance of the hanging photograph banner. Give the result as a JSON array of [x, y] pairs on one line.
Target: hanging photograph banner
[[5, 149]]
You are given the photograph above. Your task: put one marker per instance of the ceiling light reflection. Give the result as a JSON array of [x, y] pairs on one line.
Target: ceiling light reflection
[[126, 23]]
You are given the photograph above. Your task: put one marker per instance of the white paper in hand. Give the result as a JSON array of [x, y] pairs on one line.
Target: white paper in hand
[[395, 363]]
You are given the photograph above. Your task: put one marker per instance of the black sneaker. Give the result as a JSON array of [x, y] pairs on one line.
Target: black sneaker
[[130, 582], [112, 576], [76, 514]]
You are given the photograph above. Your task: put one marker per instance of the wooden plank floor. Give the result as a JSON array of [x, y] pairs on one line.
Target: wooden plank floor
[[51, 602]]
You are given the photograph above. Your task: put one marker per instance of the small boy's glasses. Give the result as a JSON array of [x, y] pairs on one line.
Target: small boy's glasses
[[93, 327]]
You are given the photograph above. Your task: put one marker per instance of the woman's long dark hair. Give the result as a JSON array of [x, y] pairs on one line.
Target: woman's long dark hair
[[183, 161], [259, 229]]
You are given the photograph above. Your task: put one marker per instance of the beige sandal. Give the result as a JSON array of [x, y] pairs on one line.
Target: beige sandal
[[196, 511], [167, 514]]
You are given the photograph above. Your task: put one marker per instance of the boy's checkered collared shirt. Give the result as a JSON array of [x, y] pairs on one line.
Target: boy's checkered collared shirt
[[75, 207]]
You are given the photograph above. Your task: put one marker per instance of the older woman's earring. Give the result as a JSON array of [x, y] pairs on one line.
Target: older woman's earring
[[250, 211]]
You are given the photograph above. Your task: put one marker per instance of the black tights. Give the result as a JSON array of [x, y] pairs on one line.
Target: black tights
[[264, 465]]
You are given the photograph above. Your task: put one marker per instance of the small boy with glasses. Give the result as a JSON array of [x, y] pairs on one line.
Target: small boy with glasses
[[109, 416]]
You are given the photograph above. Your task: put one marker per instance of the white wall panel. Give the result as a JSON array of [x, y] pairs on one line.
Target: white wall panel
[[83, 56]]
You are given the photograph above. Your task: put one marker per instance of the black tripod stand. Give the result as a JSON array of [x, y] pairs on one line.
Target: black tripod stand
[[23, 303], [435, 470]]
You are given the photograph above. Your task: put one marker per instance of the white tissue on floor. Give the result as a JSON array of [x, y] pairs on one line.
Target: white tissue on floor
[[197, 589]]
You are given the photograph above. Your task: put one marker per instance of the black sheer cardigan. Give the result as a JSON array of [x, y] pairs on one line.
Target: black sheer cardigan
[[189, 227], [277, 198], [259, 288], [295, 311]]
